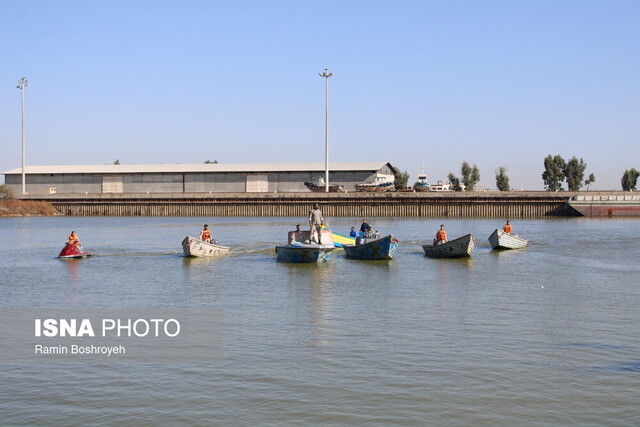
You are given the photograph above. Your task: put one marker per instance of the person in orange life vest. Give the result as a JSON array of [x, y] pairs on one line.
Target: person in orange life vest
[[441, 236], [73, 239], [205, 234], [507, 227]]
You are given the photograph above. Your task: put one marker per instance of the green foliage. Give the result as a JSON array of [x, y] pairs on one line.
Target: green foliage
[[117, 162], [455, 182], [574, 173], [470, 175], [401, 179], [590, 180], [6, 193], [553, 174], [629, 179], [502, 180], [209, 162]]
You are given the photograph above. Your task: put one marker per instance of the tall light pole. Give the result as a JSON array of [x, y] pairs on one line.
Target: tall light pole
[[326, 76], [22, 83]]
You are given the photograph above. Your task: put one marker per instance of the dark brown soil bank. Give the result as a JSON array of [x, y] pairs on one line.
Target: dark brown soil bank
[[26, 208]]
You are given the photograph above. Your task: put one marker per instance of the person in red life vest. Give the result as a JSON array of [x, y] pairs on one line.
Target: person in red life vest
[[441, 236], [507, 227], [205, 234]]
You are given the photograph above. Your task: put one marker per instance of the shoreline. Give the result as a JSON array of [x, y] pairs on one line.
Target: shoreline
[[18, 208]]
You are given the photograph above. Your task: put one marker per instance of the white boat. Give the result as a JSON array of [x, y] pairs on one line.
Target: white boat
[[458, 248], [379, 183], [196, 247], [298, 250], [422, 184], [501, 240]]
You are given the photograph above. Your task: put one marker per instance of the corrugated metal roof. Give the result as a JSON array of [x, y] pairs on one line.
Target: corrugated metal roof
[[201, 167]]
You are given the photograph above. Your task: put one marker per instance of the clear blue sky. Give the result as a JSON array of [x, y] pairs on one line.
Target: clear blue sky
[[496, 83]]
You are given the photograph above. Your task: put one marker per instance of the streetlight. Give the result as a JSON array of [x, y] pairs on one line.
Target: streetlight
[[22, 83], [326, 76]]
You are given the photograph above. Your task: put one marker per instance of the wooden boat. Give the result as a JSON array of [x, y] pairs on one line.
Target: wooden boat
[[379, 183], [198, 248], [321, 188], [339, 240], [298, 250], [70, 251], [421, 184], [606, 205], [376, 188], [458, 248], [376, 249], [501, 240]]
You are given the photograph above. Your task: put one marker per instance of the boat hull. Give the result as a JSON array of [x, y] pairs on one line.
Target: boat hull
[[375, 188], [333, 188], [421, 187], [193, 247], [378, 249], [613, 205], [339, 240], [302, 253], [461, 247], [501, 240], [70, 251]]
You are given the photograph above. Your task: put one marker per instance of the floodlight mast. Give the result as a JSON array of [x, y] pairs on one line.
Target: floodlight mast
[[326, 76], [22, 83]]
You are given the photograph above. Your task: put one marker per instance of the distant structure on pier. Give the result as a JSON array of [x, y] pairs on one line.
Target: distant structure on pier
[[192, 178]]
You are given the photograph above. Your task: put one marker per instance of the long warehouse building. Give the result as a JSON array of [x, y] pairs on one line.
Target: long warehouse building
[[193, 178]]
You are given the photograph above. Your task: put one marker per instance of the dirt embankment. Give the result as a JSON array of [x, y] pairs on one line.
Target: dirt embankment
[[26, 208]]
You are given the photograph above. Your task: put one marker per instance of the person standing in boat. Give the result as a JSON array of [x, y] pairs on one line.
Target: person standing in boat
[[353, 232], [315, 223], [507, 228], [205, 234], [441, 236]]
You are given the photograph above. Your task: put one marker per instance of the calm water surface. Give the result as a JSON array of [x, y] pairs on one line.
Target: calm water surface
[[549, 335]]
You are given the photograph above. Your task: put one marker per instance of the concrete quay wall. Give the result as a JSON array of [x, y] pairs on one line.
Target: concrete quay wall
[[396, 204]]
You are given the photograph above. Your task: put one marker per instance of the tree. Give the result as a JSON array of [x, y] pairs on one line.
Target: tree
[[6, 193], [553, 174], [401, 179], [502, 180], [117, 162], [209, 162], [590, 180], [470, 176], [454, 182], [574, 173], [629, 179]]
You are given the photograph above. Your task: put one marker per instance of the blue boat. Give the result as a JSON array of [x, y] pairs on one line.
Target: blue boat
[[376, 249]]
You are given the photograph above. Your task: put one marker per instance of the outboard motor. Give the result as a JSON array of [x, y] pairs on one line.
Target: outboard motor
[[360, 240]]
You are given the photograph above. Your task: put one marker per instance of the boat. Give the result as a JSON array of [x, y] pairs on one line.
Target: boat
[[458, 248], [379, 184], [501, 240], [373, 249], [197, 248], [321, 188], [298, 250], [71, 251], [606, 205], [421, 184], [339, 240]]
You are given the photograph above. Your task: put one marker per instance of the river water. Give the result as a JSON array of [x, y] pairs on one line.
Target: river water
[[547, 335]]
